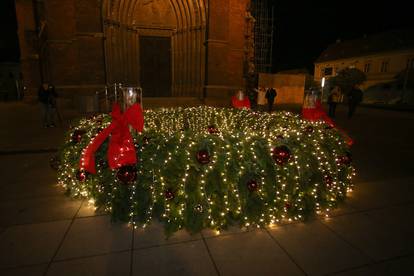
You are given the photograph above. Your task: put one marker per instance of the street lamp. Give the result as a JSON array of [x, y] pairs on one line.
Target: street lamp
[[322, 85]]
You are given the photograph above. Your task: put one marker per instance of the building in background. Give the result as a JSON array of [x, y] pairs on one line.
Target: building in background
[[382, 57], [171, 48]]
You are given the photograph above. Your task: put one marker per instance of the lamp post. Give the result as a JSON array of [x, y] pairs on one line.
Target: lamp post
[[322, 85]]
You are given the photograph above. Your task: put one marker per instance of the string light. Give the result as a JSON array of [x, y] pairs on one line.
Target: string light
[[215, 194]]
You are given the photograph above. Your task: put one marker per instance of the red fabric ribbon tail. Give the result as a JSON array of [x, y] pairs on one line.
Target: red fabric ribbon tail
[[121, 149], [87, 161]]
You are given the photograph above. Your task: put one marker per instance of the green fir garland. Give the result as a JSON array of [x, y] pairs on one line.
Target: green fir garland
[[258, 169]]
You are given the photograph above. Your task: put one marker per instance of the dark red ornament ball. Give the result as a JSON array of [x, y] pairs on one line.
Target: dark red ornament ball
[[77, 135], [169, 194], [212, 129], [252, 185], [203, 157], [281, 155], [127, 174], [345, 160], [145, 140], [81, 175], [328, 180], [309, 129]]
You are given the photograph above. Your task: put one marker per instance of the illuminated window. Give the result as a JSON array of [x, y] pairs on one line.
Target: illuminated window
[[328, 71]]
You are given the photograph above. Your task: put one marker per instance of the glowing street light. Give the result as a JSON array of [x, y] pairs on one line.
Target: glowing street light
[[323, 85]]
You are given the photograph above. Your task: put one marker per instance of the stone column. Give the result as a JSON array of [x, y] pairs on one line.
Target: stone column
[[225, 39]]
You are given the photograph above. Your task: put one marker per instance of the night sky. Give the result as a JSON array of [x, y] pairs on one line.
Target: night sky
[[9, 49], [303, 29]]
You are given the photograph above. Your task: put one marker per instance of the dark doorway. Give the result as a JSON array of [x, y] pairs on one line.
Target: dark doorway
[[155, 56]]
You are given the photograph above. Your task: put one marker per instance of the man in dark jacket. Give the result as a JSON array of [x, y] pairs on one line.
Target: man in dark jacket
[[47, 97], [270, 96], [354, 98]]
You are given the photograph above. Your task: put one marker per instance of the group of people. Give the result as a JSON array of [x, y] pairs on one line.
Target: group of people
[[263, 95], [355, 96], [268, 95]]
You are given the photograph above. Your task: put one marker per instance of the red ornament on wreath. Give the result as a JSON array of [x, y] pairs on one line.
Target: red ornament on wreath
[[281, 155], [145, 140], [252, 185], [309, 129], [169, 194], [328, 180], [203, 157], [212, 129], [81, 175], [127, 174], [345, 160], [77, 135]]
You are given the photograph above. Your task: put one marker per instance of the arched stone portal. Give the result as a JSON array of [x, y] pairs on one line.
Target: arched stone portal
[[81, 46], [158, 44]]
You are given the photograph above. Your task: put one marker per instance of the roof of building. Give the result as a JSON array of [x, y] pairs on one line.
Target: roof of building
[[369, 45]]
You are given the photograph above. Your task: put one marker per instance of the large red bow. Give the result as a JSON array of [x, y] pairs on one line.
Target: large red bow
[[121, 150]]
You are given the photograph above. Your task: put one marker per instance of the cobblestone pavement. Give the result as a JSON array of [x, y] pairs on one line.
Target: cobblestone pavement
[[42, 232]]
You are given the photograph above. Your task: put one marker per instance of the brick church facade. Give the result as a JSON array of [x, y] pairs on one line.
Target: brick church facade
[[172, 48]]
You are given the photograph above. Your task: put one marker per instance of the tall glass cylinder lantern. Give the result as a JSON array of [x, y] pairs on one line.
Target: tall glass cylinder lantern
[[130, 96]]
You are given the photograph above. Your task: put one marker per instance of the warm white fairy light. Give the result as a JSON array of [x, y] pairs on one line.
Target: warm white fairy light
[[216, 193]]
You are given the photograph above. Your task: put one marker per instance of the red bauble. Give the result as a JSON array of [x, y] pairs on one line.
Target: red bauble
[[281, 155], [309, 129], [81, 175], [212, 129], [203, 157], [77, 135], [345, 160], [328, 180], [169, 194], [127, 174], [252, 185], [145, 140], [288, 205]]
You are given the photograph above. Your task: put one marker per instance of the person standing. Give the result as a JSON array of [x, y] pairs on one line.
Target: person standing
[[354, 98], [261, 97], [47, 97], [270, 96], [333, 100]]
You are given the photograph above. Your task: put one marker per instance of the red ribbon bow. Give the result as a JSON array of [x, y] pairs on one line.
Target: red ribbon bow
[[121, 150]]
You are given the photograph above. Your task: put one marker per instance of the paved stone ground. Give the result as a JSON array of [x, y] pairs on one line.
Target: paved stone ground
[[42, 232]]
